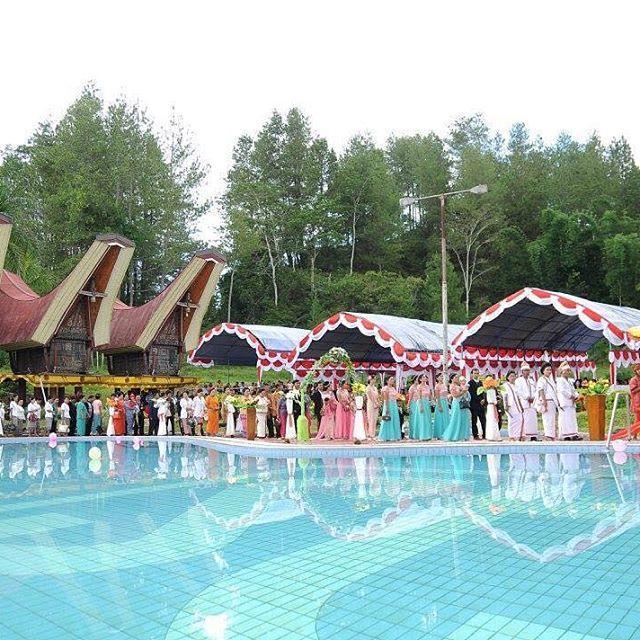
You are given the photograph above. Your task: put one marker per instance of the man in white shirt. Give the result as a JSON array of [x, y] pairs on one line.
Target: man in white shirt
[[20, 417], [526, 390], [12, 412], [65, 417], [567, 397], [185, 413], [48, 414]]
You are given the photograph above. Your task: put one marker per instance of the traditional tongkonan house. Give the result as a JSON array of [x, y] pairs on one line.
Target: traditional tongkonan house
[[150, 340], [56, 332]]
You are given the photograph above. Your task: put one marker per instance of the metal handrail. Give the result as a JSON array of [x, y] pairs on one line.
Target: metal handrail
[[618, 391]]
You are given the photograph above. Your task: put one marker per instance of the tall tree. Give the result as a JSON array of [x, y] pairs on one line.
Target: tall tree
[[473, 221], [276, 202], [523, 181], [420, 166], [366, 197]]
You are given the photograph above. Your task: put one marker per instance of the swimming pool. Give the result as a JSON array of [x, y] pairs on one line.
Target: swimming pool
[[180, 541]]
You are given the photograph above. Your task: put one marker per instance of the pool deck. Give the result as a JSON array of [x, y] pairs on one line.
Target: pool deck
[[328, 449]]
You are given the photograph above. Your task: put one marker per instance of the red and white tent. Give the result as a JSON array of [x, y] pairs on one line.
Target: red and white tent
[[265, 346], [377, 338], [376, 343], [545, 325]]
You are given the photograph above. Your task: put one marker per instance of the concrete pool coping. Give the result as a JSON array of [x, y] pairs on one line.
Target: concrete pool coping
[[279, 449]]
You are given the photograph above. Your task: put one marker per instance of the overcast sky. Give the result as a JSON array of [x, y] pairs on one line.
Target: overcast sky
[[384, 67]]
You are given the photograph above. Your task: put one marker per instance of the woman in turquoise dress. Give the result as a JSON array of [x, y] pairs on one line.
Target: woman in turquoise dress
[[390, 424], [425, 420], [465, 408], [413, 402], [441, 413], [81, 417], [453, 430]]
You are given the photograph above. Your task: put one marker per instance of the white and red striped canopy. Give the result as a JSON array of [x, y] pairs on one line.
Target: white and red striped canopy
[[369, 337], [500, 361], [536, 319], [267, 346]]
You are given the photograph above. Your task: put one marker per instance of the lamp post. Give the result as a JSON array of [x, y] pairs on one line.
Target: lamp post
[[407, 201]]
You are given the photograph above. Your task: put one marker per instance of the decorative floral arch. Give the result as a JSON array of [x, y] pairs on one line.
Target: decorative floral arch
[[336, 357]]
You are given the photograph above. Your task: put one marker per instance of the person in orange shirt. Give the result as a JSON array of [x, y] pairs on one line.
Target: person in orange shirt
[[634, 390], [213, 419], [118, 416]]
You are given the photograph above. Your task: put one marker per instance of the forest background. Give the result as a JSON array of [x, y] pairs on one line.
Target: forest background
[[309, 230]]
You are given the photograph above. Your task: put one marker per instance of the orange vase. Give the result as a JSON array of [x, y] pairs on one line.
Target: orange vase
[[596, 419]]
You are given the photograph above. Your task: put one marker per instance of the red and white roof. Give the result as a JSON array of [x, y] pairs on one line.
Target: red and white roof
[[537, 319], [268, 346], [369, 337]]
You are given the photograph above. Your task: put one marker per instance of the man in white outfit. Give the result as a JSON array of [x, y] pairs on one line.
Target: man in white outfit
[[567, 397], [65, 417], [13, 414], [547, 401], [526, 390]]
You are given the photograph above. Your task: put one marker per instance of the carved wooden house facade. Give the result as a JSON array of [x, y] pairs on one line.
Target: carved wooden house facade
[[152, 339], [56, 332]]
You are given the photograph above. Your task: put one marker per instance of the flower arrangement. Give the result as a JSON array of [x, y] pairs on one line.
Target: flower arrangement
[[241, 402], [490, 383], [595, 387], [358, 389]]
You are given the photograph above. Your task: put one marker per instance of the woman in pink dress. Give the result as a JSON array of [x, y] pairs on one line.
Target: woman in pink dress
[[344, 415], [328, 418]]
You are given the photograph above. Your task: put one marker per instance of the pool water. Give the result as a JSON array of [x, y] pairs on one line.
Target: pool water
[[180, 541]]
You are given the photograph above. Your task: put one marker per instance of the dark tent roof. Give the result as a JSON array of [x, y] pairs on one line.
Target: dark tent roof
[[547, 320], [243, 344]]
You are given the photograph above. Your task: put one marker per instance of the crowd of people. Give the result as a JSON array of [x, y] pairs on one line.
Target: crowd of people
[[455, 410]]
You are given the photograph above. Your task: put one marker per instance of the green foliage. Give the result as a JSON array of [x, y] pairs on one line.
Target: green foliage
[[372, 292], [431, 292], [622, 267]]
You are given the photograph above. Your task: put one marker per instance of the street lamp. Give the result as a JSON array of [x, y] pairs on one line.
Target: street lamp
[[408, 201]]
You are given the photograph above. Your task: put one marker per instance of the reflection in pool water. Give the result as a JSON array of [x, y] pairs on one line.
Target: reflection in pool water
[[178, 540]]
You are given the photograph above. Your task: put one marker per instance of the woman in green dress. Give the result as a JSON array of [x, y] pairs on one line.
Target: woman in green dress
[[413, 402], [425, 420], [441, 413], [390, 425], [454, 428], [81, 417]]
